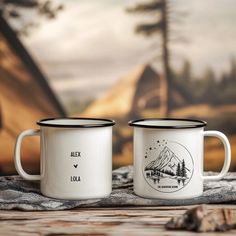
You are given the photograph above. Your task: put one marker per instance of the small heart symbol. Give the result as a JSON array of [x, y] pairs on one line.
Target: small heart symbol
[[76, 165]]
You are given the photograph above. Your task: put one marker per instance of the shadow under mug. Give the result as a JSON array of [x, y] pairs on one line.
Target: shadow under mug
[[75, 157], [168, 157]]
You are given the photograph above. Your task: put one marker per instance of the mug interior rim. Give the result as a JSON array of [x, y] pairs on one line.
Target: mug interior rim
[[192, 123], [88, 122]]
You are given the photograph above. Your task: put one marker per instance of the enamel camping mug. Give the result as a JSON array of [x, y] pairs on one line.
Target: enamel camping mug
[[75, 157], [168, 157]]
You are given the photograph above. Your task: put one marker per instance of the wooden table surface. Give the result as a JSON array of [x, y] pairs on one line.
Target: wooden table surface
[[97, 221]]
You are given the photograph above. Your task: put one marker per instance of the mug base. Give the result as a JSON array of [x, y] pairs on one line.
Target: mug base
[[180, 197], [76, 197]]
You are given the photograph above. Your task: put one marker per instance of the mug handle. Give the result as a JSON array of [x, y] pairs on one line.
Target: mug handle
[[227, 149], [17, 159]]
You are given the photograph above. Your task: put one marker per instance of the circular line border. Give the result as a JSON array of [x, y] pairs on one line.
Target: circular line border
[[189, 178]]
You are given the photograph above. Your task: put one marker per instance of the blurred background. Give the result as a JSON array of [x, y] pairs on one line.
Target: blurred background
[[122, 59]]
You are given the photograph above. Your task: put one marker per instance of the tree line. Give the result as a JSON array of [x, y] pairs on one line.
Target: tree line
[[181, 169], [207, 88]]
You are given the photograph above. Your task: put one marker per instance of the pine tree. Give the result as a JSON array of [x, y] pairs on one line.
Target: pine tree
[[183, 169], [178, 171], [161, 11], [13, 11]]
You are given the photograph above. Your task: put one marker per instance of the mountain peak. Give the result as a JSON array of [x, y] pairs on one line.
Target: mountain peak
[[165, 160], [165, 148]]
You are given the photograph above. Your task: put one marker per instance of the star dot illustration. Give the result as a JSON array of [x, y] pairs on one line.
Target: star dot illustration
[[159, 144]]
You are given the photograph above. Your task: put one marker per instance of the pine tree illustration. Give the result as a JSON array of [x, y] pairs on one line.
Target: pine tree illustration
[[183, 171], [178, 171]]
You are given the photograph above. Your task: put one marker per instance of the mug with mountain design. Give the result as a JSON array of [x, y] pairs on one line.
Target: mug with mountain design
[[168, 157]]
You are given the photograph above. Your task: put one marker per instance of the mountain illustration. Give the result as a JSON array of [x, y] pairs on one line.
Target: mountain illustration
[[166, 162]]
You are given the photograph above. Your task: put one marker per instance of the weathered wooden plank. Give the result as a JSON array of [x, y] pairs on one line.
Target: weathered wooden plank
[[127, 211], [102, 221]]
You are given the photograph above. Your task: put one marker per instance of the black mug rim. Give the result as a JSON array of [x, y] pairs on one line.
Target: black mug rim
[[198, 123], [105, 123]]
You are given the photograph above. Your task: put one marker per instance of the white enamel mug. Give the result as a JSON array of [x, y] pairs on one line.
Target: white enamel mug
[[75, 157], [168, 157]]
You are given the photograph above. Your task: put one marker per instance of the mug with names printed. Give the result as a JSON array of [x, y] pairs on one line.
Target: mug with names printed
[[75, 157]]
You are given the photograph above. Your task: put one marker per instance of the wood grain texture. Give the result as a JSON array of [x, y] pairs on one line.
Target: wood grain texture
[[97, 221], [16, 193]]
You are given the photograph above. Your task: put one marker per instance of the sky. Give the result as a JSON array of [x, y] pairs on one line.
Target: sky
[[92, 44]]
